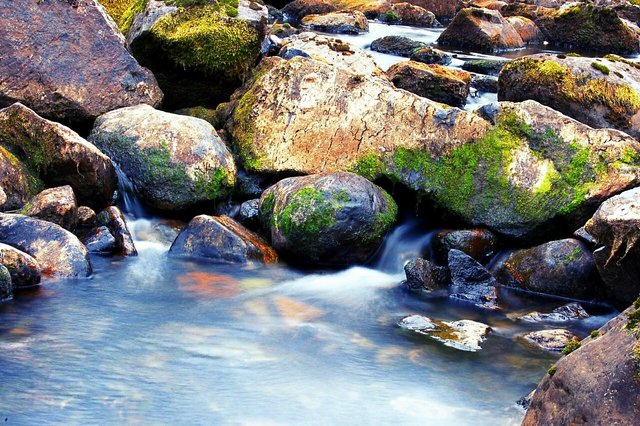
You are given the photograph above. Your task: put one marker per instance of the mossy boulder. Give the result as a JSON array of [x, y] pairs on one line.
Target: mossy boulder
[[327, 219], [481, 30], [337, 23], [444, 10], [56, 205], [124, 12], [221, 239], [55, 155], [59, 252], [485, 66], [407, 14], [199, 54], [173, 161], [598, 92], [72, 85], [17, 182], [396, 45], [24, 269], [436, 82], [584, 26]]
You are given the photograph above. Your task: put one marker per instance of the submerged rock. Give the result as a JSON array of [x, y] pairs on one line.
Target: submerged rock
[[221, 239], [397, 45], [471, 282], [464, 335], [422, 274], [570, 312], [6, 287], [24, 269], [563, 268], [59, 252], [327, 219], [485, 66], [55, 205], [595, 384], [615, 227], [57, 155], [173, 161], [113, 219], [68, 62], [480, 29], [550, 340], [337, 23]]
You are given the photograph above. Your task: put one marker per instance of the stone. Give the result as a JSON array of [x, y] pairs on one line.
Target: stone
[[615, 228], [173, 161], [550, 340], [17, 182], [249, 214], [407, 14], [86, 216], [464, 335], [73, 85], [436, 82], [298, 9], [429, 55], [24, 269], [327, 219], [595, 384], [562, 268], [57, 155], [59, 252], [396, 45], [482, 30], [471, 282], [485, 66], [602, 93], [114, 220], [570, 312], [480, 244], [221, 239], [99, 240], [527, 29], [56, 205], [484, 83], [6, 287], [337, 23], [444, 10], [424, 275]]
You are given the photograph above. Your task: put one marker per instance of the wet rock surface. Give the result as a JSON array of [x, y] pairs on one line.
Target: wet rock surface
[[464, 335], [397, 45], [480, 244], [337, 23], [471, 282], [570, 312], [114, 220], [422, 274], [550, 340], [24, 269]]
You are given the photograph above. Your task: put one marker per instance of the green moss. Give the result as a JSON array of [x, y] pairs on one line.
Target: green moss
[[383, 220], [570, 347], [213, 187], [635, 359], [160, 168], [307, 214], [595, 334], [634, 320], [552, 370], [601, 67], [126, 20], [369, 166], [266, 207], [391, 16], [244, 132]]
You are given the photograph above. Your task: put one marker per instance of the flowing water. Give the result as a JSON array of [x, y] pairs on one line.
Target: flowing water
[[151, 339]]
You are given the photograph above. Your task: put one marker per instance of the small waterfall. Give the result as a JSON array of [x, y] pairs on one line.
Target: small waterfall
[[132, 205], [404, 243]]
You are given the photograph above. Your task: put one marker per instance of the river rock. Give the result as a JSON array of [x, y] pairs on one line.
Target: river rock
[[598, 92], [59, 252], [99, 240], [396, 45], [58, 155], [595, 384], [76, 84], [584, 26], [113, 219], [471, 282], [86, 216], [337, 23], [56, 205], [249, 214], [436, 82], [6, 287], [296, 10], [562, 268], [550, 340], [327, 219], [429, 55], [570, 312], [17, 182], [407, 14], [464, 335], [485, 66], [444, 10], [479, 29], [422, 274], [24, 269], [527, 29], [221, 239], [480, 244], [484, 83], [173, 161], [616, 229]]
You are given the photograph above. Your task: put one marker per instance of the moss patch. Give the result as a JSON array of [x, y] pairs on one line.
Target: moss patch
[[570, 347], [124, 12], [308, 213], [600, 67], [552, 370]]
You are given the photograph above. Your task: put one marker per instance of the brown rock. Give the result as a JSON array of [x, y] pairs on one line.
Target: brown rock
[[67, 61], [55, 205], [113, 219], [407, 14], [422, 274], [24, 269], [444, 10], [550, 340], [86, 216], [17, 183], [480, 244], [337, 23], [528, 30]]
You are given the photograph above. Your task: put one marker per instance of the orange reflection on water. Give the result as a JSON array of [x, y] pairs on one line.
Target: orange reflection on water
[[208, 285]]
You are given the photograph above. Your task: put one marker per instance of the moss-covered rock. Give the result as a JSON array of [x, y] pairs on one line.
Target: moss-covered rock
[[17, 181], [407, 14], [123, 12], [600, 92], [327, 219], [174, 161]]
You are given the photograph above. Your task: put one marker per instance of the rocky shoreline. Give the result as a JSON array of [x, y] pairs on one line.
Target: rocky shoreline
[[278, 144]]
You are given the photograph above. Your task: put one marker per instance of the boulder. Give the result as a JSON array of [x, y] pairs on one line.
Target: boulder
[[199, 53], [436, 82], [595, 384], [56, 205], [601, 93], [531, 169], [173, 161], [57, 155], [6, 287], [527, 29], [396, 45], [113, 219], [221, 239], [86, 216], [485, 66], [484, 83], [444, 10], [480, 244], [570, 312], [327, 219], [424, 275], [615, 227], [337, 23], [59, 252], [24, 269], [562, 268], [100, 241], [471, 282], [482, 30], [585, 26], [407, 14], [17, 182], [550, 340], [72, 85], [464, 335], [249, 214], [296, 10], [429, 55]]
